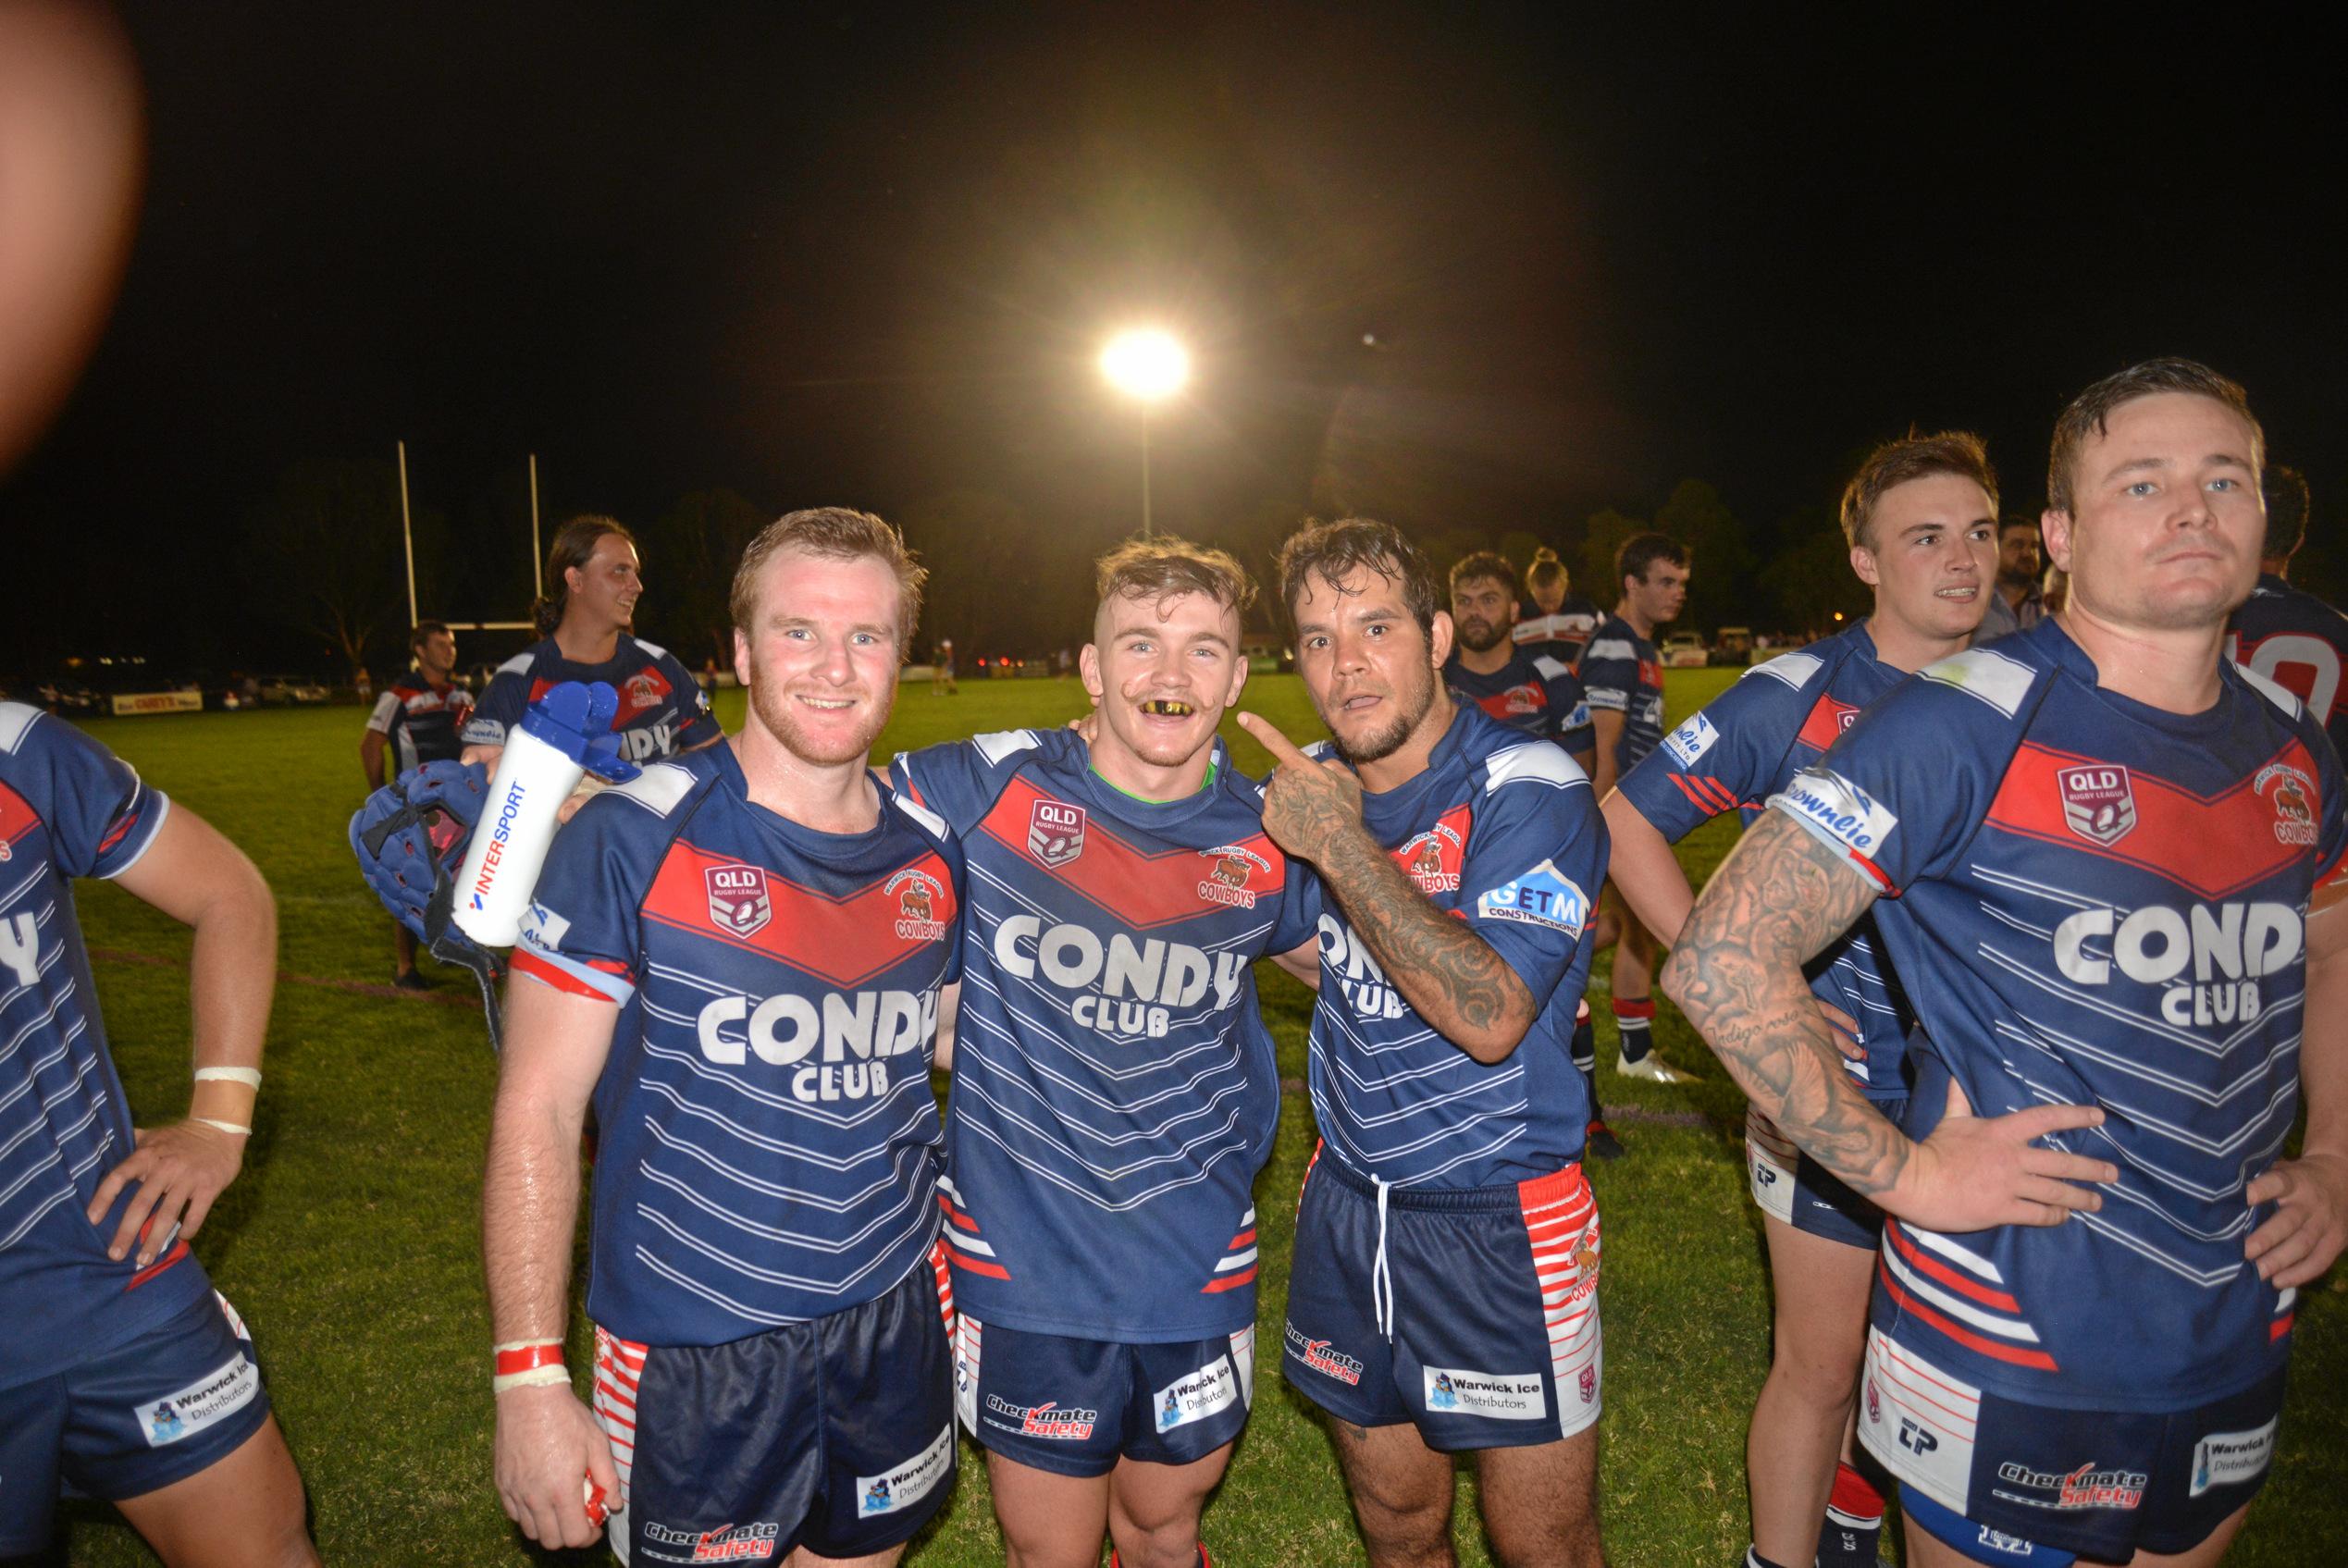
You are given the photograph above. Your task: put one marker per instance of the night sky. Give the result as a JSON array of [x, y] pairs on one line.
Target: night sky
[[834, 254]]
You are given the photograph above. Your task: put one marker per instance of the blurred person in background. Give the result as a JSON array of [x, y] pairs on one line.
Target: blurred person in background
[[420, 718], [2019, 601]]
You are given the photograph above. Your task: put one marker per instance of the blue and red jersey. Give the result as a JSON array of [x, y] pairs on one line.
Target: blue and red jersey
[[1622, 672], [769, 1147], [1114, 1088], [1779, 718], [2094, 902], [1535, 692], [69, 808], [424, 722], [663, 711], [2298, 642], [1501, 833]]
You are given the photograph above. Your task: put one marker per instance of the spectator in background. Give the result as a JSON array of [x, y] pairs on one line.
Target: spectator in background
[[419, 719], [942, 668], [2019, 601], [364, 683]]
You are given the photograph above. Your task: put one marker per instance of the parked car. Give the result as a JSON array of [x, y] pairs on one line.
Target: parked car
[[1684, 650], [292, 689]]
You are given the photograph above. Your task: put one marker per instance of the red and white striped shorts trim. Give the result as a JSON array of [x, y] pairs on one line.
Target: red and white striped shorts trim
[[619, 1367], [1561, 1218]]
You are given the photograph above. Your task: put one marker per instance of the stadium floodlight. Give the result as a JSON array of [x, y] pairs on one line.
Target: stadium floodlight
[[1148, 365]]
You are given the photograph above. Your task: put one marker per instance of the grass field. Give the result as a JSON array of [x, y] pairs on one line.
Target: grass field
[[350, 1243]]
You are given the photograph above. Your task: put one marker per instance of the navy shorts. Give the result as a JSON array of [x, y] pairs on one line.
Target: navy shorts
[[835, 1433], [2003, 1476], [1791, 1187], [1075, 1407], [1472, 1313], [175, 1401]]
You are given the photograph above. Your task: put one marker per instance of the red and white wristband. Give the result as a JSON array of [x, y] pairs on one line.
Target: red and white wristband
[[528, 1363]]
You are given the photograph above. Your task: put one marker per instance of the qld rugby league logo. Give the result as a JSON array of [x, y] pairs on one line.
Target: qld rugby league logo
[[1432, 859], [2098, 804], [918, 895], [738, 902], [1056, 833], [2292, 792], [1226, 882]]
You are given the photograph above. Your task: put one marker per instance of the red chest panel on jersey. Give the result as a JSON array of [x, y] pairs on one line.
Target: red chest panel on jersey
[[16, 819], [845, 939], [1434, 857], [2213, 848], [1143, 890], [1827, 721], [641, 693], [1515, 702]]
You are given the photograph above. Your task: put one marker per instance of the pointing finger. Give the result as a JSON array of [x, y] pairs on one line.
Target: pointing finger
[[1268, 736]]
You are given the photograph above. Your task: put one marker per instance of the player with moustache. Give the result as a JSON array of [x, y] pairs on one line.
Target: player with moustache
[[1920, 518], [2107, 866], [739, 957], [1115, 1088], [1443, 1292]]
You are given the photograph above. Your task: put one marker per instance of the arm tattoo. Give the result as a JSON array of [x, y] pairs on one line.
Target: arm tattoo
[[1451, 975], [1737, 972]]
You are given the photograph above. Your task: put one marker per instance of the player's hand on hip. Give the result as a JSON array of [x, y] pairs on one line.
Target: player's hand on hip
[[1843, 1028], [1974, 1172], [2309, 1225], [1307, 805], [548, 1445], [174, 1174]]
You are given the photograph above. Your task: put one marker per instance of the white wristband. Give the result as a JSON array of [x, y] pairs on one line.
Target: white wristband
[[536, 1377], [249, 1076], [225, 1126]]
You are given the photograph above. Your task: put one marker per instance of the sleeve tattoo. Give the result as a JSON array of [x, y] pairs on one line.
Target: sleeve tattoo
[[1447, 973], [1737, 972]]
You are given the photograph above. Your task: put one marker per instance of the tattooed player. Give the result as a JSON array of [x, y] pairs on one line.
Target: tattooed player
[[2114, 857]]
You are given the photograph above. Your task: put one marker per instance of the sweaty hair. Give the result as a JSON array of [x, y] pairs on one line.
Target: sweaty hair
[[1484, 566], [1546, 569], [1642, 550], [2286, 493], [573, 545], [1959, 453], [425, 631], [831, 533], [2090, 410], [1331, 552], [1162, 566]]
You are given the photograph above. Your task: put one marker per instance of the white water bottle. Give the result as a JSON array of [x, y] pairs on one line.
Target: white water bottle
[[564, 733]]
